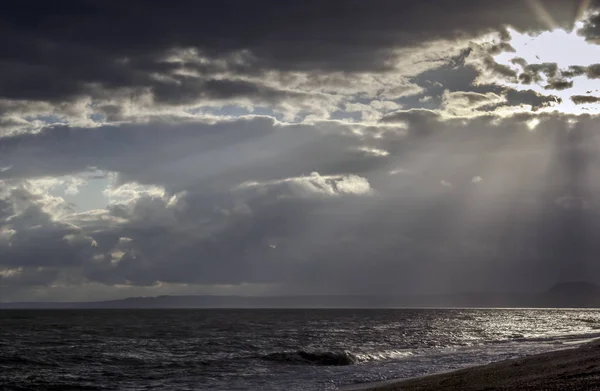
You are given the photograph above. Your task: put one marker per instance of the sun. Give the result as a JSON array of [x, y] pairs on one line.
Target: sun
[[570, 53]]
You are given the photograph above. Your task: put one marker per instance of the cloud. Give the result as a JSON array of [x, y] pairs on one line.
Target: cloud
[[559, 85], [531, 98], [287, 148], [582, 99], [315, 184], [591, 71], [372, 111], [171, 57], [574, 70], [591, 28], [448, 81], [216, 224], [533, 72], [467, 103]]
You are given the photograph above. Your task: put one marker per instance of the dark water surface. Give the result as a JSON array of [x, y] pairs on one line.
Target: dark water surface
[[266, 349]]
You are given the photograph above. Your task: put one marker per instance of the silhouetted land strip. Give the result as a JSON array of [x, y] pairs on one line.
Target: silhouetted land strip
[[566, 295], [571, 369]]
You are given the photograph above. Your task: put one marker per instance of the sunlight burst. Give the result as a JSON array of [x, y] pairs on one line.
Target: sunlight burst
[[554, 63]]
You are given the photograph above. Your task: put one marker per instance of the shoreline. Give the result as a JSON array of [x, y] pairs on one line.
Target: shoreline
[[570, 369]]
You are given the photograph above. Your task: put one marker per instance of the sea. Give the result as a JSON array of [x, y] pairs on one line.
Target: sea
[[255, 349]]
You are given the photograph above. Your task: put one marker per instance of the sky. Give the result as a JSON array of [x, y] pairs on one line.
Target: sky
[[297, 147]]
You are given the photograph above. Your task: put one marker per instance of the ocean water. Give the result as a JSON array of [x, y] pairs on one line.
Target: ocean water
[[267, 349]]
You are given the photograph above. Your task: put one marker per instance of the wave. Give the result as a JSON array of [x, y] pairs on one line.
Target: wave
[[554, 338], [331, 358], [385, 355]]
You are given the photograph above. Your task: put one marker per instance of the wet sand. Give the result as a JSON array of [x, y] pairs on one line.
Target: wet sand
[[575, 369]]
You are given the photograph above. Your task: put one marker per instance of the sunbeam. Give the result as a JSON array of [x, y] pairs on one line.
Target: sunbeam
[[325, 193], [548, 59], [542, 14]]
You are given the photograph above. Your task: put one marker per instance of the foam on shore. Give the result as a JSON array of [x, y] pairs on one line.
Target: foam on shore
[[569, 369]]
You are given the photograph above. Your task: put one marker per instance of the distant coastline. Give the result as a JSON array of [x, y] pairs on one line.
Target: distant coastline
[[565, 295]]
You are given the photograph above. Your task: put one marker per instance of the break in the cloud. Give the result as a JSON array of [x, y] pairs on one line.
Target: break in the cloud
[[293, 147]]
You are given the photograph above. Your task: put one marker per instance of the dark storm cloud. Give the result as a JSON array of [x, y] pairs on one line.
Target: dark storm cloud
[[172, 155], [38, 244], [422, 209], [233, 245], [60, 50], [416, 201], [190, 89]]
